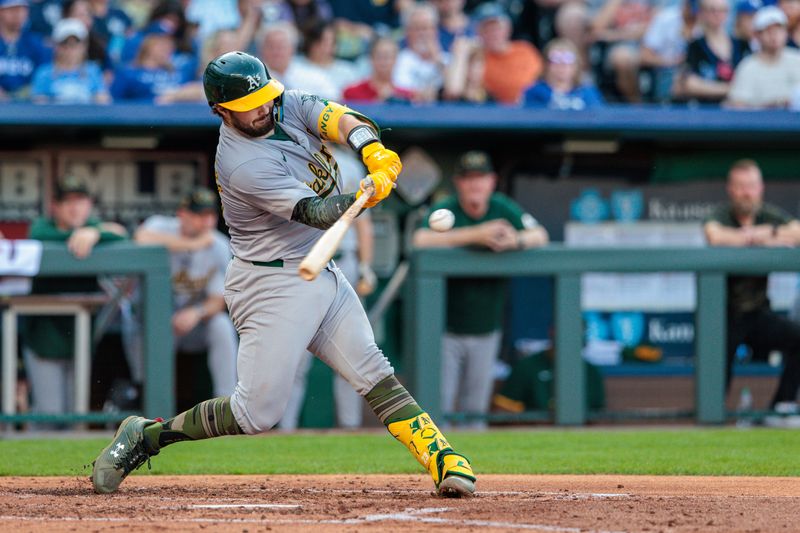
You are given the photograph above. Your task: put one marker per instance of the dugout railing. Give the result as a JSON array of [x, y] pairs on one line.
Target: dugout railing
[[424, 315]]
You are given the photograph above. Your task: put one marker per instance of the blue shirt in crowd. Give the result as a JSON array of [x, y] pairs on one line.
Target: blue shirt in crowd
[[113, 29], [369, 12], [43, 15], [133, 43], [143, 85], [19, 60], [580, 97], [130, 48], [80, 86], [446, 37]]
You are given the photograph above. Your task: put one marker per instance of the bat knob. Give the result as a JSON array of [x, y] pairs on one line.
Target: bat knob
[[367, 186], [306, 273]]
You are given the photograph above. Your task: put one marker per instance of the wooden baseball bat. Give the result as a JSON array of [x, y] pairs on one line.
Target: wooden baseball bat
[[325, 248]]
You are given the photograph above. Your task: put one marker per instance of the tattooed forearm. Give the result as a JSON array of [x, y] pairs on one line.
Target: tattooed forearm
[[321, 213]]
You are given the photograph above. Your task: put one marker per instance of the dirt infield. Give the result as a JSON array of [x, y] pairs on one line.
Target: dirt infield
[[403, 503]]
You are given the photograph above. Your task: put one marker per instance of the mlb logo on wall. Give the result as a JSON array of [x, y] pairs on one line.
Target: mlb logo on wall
[[628, 328], [627, 206], [589, 207], [596, 326]]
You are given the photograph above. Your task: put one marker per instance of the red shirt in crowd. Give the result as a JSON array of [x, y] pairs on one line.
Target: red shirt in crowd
[[365, 92]]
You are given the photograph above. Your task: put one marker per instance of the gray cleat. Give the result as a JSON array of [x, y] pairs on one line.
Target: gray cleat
[[456, 487], [126, 453]]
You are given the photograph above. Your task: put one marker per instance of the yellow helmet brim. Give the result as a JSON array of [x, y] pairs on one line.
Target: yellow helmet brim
[[270, 91]]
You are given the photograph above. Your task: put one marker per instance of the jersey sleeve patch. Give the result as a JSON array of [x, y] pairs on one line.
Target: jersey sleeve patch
[[328, 121], [529, 221]]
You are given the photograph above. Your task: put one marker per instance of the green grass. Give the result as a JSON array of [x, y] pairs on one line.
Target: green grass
[[691, 451]]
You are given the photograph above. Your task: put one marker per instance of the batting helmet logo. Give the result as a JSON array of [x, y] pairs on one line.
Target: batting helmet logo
[[254, 81]]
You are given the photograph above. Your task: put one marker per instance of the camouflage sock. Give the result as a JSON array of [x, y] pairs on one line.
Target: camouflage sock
[[208, 419], [392, 402]]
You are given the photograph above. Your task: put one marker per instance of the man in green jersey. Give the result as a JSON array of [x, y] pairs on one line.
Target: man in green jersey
[[48, 344], [484, 219]]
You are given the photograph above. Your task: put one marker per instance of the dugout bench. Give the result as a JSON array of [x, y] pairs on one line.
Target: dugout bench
[[78, 306], [424, 314]]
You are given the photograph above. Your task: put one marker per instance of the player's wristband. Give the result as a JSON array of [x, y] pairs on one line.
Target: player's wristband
[[361, 136]]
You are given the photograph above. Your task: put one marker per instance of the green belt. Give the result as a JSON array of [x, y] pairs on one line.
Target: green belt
[[274, 263], [279, 262]]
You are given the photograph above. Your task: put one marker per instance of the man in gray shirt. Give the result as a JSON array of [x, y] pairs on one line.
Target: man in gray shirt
[[280, 187], [199, 256]]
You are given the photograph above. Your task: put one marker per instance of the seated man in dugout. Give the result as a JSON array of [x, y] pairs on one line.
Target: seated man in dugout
[[745, 220], [199, 255]]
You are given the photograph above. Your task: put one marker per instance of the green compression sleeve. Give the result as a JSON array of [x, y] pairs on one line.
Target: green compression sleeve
[[321, 213]]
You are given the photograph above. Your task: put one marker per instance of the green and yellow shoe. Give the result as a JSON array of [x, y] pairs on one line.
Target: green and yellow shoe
[[451, 472], [127, 452]]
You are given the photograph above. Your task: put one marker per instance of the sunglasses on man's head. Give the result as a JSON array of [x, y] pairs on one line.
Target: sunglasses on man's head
[[561, 57]]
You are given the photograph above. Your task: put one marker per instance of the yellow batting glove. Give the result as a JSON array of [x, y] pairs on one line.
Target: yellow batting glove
[[383, 187], [377, 157]]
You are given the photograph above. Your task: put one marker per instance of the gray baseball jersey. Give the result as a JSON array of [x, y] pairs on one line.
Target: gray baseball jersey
[[195, 275], [279, 315], [261, 180]]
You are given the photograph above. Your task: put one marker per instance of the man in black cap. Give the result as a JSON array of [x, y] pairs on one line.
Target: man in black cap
[[72, 220], [48, 340], [483, 219], [199, 255]]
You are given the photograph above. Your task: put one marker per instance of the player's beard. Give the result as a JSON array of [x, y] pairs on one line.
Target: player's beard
[[256, 128]]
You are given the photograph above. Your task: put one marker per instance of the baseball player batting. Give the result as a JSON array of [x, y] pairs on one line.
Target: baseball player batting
[[280, 189]]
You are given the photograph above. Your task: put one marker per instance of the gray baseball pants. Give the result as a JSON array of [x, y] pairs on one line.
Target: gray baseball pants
[[278, 317], [468, 373], [349, 404], [52, 382]]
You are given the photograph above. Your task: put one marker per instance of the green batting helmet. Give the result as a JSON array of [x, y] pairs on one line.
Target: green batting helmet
[[239, 82]]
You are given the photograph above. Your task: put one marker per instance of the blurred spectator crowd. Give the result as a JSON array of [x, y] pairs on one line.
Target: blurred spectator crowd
[[561, 54]]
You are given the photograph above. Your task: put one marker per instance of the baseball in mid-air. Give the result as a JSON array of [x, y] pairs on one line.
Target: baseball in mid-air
[[441, 220]]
